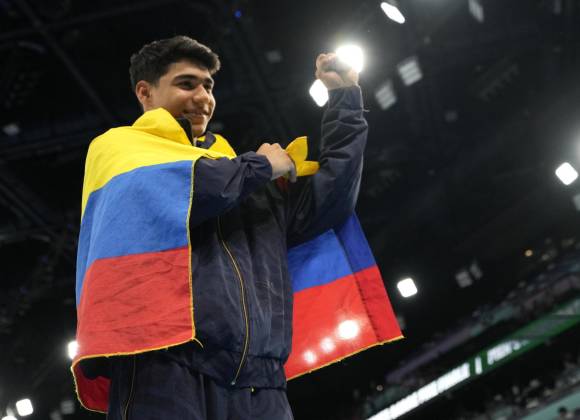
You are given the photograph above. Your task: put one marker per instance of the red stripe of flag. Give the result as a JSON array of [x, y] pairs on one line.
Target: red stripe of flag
[[135, 302], [338, 319]]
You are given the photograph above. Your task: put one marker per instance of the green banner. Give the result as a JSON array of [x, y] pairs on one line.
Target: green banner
[[514, 345]]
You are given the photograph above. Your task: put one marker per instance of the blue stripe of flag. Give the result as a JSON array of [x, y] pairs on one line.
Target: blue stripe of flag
[[330, 256], [115, 223], [355, 244], [317, 262]]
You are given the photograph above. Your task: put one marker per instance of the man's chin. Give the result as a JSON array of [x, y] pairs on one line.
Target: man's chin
[[198, 129]]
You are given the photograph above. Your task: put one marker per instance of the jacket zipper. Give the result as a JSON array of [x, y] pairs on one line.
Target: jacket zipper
[[125, 414], [244, 306]]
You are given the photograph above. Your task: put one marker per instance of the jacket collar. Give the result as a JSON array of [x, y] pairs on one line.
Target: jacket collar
[[205, 141]]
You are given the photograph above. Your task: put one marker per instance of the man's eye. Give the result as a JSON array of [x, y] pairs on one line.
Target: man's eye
[[186, 85]]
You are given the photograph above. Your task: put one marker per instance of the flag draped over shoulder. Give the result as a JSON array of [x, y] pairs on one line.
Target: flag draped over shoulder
[[133, 279]]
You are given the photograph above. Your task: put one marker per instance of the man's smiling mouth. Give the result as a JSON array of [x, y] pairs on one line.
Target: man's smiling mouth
[[195, 114]]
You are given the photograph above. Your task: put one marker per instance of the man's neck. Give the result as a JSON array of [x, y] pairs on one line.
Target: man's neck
[[186, 125]]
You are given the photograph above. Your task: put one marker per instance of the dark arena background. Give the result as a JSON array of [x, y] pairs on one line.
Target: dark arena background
[[473, 106]]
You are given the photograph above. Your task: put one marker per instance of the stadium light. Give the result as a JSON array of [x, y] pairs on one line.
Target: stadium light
[[475, 270], [72, 349], [392, 12], [67, 406], [352, 56], [385, 95], [407, 287], [9, 418], [24, 407], [566, 173], [476, 10], [463, 278], [319, 92], [410, 71]]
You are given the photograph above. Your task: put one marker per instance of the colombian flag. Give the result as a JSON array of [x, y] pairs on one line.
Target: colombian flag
[[340, 303], [133, 274], [133, 280]]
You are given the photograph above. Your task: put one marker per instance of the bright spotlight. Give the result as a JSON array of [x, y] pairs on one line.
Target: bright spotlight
[[319, 92], [9, 418], [566, 173], [410, 71], [392, 12], [349, 329], [73, 349], [352, 56], [407, 287], [24, 407]]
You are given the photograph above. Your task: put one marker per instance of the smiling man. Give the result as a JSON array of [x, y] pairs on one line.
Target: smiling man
[[185, 89], [207, 337]]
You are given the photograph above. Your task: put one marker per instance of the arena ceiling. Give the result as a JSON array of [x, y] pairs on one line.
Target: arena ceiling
[[459, 170]]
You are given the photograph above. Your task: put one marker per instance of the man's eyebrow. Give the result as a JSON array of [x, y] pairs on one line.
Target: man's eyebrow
[[193, 77]]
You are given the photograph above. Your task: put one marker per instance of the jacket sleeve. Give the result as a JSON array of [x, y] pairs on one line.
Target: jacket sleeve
[[220, 184], [324, 200]]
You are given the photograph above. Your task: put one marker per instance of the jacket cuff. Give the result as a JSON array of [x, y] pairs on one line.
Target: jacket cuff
[[260, 165], [347, 97]]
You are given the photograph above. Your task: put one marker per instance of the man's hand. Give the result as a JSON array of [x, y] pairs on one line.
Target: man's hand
[[334, 73], [279, 159]]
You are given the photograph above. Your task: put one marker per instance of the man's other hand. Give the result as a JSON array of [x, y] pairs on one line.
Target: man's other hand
[[279, 159], [334, 73]]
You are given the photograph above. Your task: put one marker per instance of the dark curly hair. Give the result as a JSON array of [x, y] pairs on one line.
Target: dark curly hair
[[153, 60]]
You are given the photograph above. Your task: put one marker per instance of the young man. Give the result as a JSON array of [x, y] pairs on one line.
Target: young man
[[226, 360]]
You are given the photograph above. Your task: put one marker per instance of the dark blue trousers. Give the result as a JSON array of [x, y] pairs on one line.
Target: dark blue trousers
[[151, 386]]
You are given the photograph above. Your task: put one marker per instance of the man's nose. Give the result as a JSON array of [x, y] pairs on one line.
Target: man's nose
[[201, 95]]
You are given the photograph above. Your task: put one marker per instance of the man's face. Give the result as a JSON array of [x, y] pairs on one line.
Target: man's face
[[185, 91]]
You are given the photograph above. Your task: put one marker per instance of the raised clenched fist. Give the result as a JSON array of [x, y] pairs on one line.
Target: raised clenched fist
[[334, 73]]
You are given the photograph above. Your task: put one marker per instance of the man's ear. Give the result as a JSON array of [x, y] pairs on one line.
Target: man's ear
[[143, 92]]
